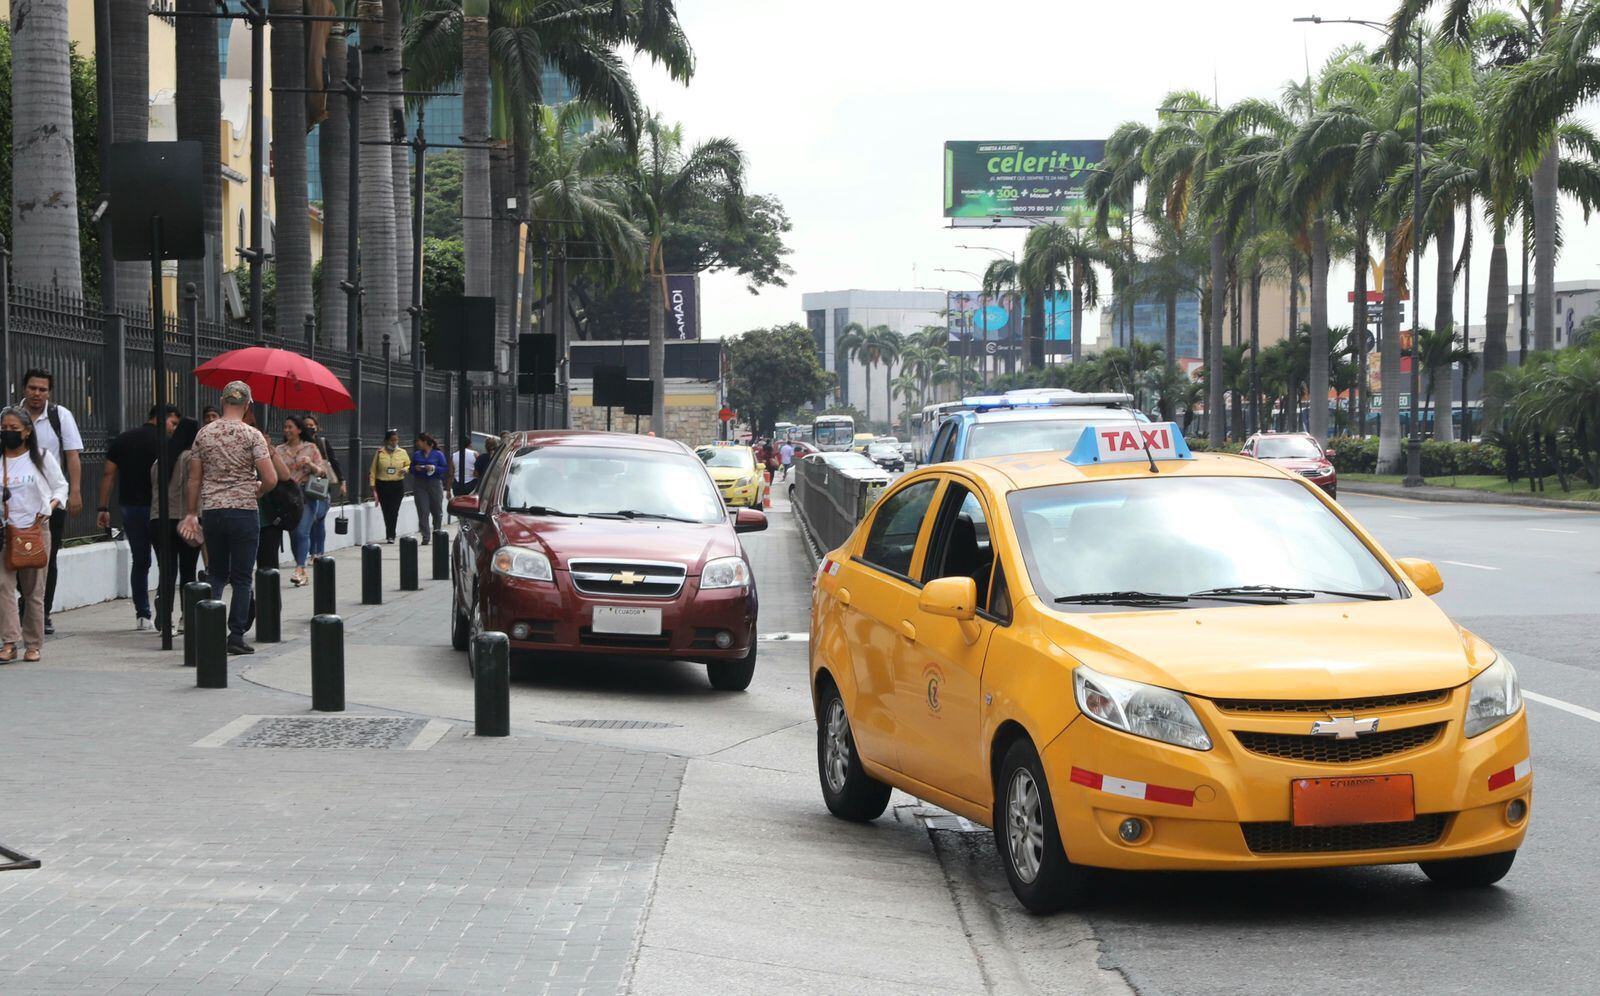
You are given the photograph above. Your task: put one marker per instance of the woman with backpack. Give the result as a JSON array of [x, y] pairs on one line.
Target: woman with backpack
[[310, 472], [32, 486], [275, 512]]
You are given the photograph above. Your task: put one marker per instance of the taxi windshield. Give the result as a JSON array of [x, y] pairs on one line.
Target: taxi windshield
[[1186, 536], [1287, 447], [736, 457], [574, 480], [988, 439]]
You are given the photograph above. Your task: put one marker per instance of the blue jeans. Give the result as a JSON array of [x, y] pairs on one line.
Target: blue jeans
[[300, 536], [319, 528], [231, 538], [136, 527]]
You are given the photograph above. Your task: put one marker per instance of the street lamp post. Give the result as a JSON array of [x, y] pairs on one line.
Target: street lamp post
[[1413, 477]]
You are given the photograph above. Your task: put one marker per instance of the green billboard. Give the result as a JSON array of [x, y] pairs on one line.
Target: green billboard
[[1016, 183]]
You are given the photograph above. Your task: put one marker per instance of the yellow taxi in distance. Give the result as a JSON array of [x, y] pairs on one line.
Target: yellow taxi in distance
[[1137, 658], [733, 467], [861, 441]]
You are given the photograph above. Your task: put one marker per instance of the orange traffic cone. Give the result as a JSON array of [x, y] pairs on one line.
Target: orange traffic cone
[[766, 490]]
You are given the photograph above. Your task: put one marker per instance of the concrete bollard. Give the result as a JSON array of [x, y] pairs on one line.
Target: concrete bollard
[[324, 599], [327, 664], [408, 564], [210, 626], [441, 555], [491, 673], [193, 594], [269, 606], [372, 574]]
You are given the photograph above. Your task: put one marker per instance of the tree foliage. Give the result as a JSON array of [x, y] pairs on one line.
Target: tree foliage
[[772, 371]]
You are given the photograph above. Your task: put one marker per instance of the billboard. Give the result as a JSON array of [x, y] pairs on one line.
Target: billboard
[[974, 315], [1012, 184], [683, 306]]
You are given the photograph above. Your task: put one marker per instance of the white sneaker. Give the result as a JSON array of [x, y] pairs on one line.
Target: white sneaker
[[144, 625]]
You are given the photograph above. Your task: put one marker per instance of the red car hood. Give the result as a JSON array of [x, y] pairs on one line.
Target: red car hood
[[562, 539], [1296, 464]]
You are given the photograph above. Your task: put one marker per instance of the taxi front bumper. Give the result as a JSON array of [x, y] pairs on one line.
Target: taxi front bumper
[[747, 496], [1230, 808]]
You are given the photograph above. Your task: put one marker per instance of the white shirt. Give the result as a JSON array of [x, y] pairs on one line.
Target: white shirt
[[48, 443], [471, 457], [32, 490]]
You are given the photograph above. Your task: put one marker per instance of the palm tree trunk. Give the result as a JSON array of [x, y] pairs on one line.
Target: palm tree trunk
[[503, 256], [521, 248], [380, 312], [1466, 322], [199, 108], [1390, 457], [292, 240], [477, 232], [656, 269], [1216, 416], [44, 195], [1317, 378], [1444, 319], [1358, 326], [1033, 330], [1171, 305], [130, 117], [1077, 311], [1544, 249], [399, 156], [1494, 330], [333, 160]]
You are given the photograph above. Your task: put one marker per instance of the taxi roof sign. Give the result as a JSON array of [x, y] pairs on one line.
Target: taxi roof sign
[[1121, 442]]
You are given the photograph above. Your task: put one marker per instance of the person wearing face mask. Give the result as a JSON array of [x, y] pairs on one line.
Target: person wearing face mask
[[388, 479], [32, 488], [330, 460]]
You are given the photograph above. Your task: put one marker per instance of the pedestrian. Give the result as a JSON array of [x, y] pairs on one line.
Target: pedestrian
[[319, 527], [127, 468], [786, 455], [428, 471], [209, 414], [183, 555], [231, 469], [269, 546], [32, 488], [387, 477], [306, 469], [464, 469], [57, 433]]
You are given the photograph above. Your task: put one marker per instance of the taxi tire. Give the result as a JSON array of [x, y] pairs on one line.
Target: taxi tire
[[460, 637], [863, 797], [733, 676], [1469, 873], [1059, 884]]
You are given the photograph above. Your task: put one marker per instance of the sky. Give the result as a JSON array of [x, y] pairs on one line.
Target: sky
[[843, 108]]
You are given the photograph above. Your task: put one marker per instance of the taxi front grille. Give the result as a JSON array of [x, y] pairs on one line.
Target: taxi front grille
[[627, 579], [1324, 707], [1328, 750], [1286, 838]]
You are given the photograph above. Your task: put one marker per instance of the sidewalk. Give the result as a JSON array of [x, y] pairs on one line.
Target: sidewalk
[[322, 860], [1463, 496]]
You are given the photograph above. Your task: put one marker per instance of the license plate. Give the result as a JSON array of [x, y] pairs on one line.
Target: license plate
[[632, 620], [1339, 802]]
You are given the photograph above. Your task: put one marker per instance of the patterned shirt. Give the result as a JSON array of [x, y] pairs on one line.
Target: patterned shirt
[[228, 450], [302, 459]]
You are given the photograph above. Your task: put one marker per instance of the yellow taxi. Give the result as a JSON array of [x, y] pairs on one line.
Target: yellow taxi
[[860, 442], [733, 467], [1134, 657]]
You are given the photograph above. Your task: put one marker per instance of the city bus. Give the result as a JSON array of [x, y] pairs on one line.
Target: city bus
[[833, 433], [786, 430], [926, 422]]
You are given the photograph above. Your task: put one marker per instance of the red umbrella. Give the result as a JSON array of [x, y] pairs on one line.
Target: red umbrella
[[279, 378]]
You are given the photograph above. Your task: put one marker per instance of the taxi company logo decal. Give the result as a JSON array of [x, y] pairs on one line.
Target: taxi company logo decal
[[932, 678], [1343, 727]]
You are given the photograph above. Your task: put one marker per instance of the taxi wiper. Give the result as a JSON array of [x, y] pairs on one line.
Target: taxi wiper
[[1279, 591], [1120, 598]]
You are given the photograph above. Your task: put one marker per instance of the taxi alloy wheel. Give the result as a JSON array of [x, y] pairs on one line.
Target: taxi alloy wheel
[[1035, 863], [1470, 873], [850, 793]]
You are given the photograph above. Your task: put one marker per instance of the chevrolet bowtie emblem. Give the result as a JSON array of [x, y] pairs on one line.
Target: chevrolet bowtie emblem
[[1343, 727], [627, 577]]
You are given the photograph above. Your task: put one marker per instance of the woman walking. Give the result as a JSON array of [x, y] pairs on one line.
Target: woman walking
[[306, 468], [388, 479], [270, 547], [32, 486], [184, 556], [335, 475], [429, 468]]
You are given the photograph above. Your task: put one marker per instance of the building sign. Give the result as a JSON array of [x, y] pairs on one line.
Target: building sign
[[1012, 184], [981, 318], [683, 306]]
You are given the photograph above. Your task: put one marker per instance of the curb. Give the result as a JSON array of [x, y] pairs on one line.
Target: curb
[[808, 539], [1462, 496]]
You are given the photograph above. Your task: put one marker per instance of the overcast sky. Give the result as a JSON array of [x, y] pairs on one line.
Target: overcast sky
[[843, 109]]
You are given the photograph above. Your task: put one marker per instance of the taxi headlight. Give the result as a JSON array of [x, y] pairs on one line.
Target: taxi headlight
[[522, 562], [742, 482], [1143, 710], [726, 572], [1493, 699]]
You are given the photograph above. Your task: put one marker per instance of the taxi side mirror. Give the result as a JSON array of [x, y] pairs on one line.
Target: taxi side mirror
[[1423, 574], [465, 507], [953, 598], [749, 520]]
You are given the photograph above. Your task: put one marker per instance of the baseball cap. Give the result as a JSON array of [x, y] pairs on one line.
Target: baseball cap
[[236, 393]]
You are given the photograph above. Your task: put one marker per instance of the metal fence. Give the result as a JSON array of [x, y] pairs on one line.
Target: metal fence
[[832, 501], [108, 388]]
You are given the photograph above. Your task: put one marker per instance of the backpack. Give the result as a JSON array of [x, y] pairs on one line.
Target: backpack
[[283, 505]]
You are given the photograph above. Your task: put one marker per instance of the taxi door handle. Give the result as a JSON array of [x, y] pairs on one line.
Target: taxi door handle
[[907, 630], [843, 595]]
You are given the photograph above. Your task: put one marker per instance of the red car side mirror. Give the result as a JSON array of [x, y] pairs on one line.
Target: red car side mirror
[[465, 507], [749, 520]]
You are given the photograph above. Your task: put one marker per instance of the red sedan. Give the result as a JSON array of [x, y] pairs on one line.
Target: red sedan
[[1296, 452], [606, 544]]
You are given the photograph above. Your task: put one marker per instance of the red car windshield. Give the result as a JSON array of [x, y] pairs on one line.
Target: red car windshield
[[575, 480], [1287, 448]]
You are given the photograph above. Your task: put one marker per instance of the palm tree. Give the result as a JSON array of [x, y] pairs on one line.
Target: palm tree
[[130, 119], [477, 230], [199, 108], [1436, 351], [292, 224], [849, 344], [1065, 247], [393, 78], [887, 343], [333, 161], [380, 307], [1114, 190], [44, 196]]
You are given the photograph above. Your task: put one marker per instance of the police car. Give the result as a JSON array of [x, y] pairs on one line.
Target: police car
[[1134, 657], [1026, 421]]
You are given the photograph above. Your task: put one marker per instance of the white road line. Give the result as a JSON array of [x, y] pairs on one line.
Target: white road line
[[1576, 710], [1462, 563], [1414, 518], [1567, 532]]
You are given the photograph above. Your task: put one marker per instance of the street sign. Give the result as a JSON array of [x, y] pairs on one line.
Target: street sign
[[726, 414]]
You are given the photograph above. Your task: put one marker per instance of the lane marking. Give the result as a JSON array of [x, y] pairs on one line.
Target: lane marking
[[1576, 710], [784, 638], [1476, 567], [1567, 532], [1414, 518]]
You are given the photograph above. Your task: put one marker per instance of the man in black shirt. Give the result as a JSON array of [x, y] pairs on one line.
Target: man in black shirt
[[128, 462]]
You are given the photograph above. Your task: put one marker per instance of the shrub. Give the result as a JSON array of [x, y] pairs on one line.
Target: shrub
[[1352, 455]]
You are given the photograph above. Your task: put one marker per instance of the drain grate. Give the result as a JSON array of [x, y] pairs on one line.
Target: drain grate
[[612, 724], [329, 732]]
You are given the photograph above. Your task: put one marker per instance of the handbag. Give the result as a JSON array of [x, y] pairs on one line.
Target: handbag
[[341, 525], [318, 488], [25, 545]]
